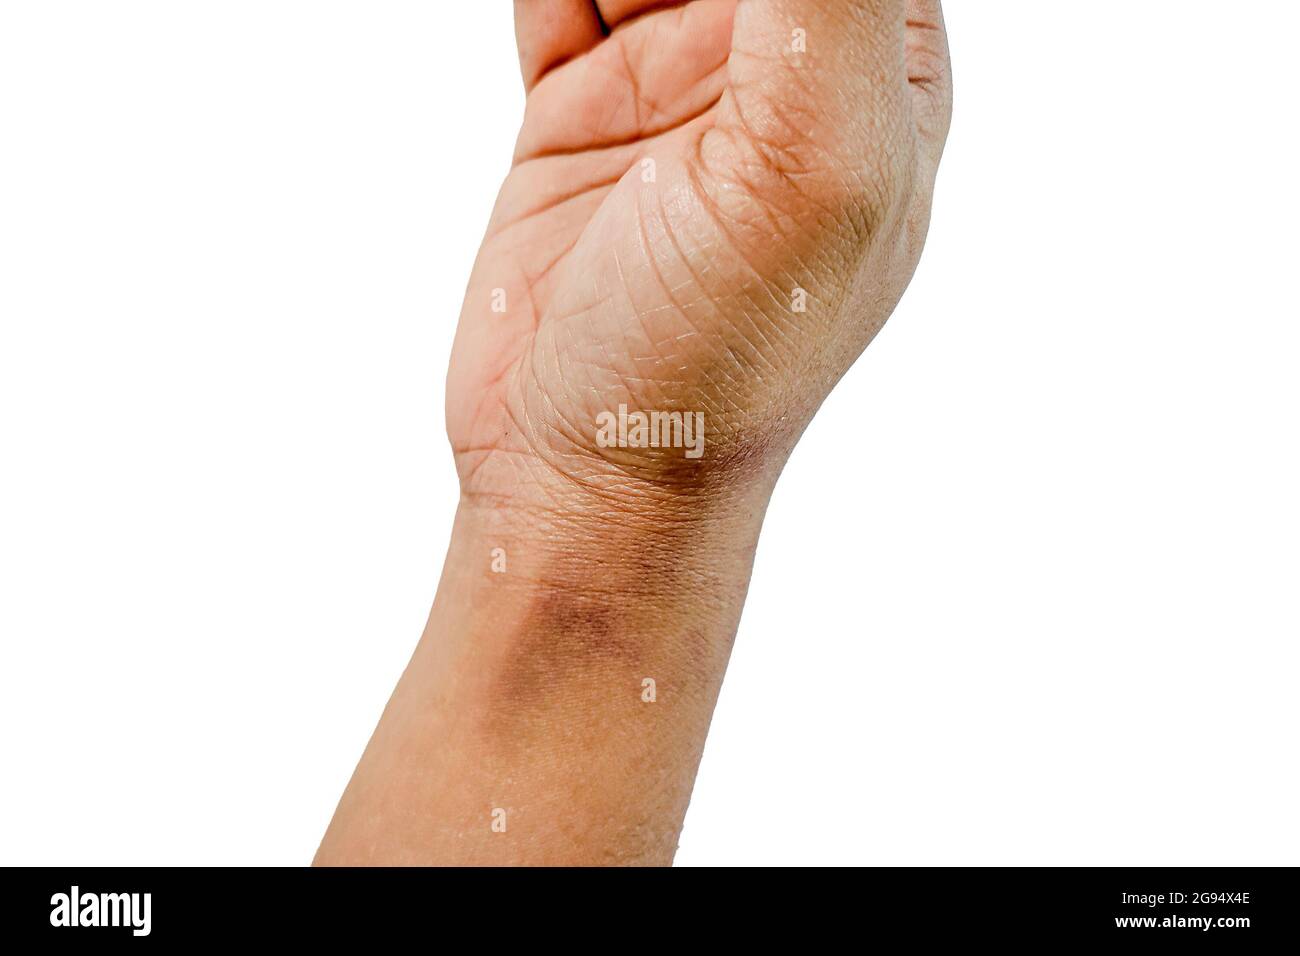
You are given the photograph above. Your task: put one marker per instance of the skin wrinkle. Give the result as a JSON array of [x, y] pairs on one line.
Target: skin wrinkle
[[729, 236], [631, 13], [663, 282], [586, 191], [685, 259], [652, 259], [643, 128], [634, 139]]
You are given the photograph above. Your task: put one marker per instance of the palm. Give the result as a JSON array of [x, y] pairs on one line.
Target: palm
[[611, 273]]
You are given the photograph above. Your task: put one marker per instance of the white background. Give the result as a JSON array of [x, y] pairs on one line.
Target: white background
[[1027, 592]]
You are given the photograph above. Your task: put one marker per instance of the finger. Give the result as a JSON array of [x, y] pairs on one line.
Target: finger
[[929, 71], [615, 12], [674, 69], [552, 32]]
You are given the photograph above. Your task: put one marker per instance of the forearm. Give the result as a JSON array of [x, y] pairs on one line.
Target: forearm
[[524, 729]]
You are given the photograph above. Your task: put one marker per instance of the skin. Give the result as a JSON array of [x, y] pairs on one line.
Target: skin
[[777, 179]]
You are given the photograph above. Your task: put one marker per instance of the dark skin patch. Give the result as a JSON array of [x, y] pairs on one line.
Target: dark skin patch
[[570, 647], [583, 648]]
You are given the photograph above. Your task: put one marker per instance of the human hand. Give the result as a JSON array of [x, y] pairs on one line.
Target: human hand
[[711, 212], [713, 208]]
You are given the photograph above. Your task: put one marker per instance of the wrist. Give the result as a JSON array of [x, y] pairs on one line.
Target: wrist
[[586, 503], [563, 604], [565, 681], [616, 538]]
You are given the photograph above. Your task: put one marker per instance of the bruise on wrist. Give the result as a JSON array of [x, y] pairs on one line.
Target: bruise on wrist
[[582, 637]]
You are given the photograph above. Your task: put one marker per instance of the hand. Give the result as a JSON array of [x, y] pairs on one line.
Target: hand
[[712, 210], [713, 207]]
